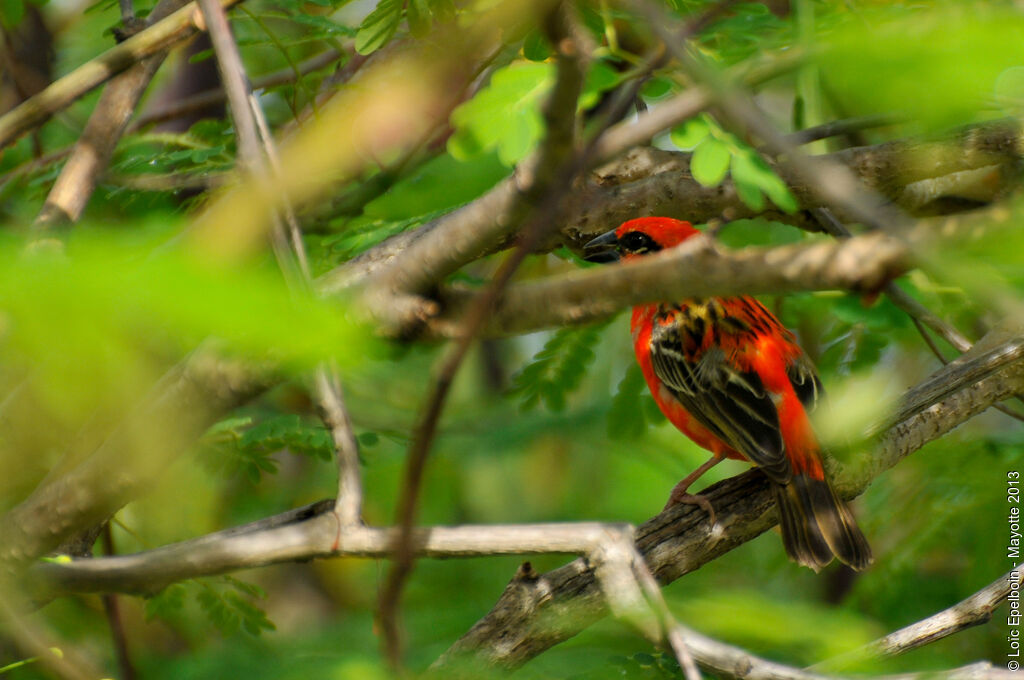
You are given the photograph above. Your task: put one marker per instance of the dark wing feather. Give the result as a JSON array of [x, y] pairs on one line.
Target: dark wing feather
[[732, 404], [805, 382]]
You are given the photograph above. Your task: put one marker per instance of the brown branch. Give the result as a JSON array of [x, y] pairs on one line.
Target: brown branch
[[259, 155], [63, 92], [92, 152], [520, 627], [696, 269]]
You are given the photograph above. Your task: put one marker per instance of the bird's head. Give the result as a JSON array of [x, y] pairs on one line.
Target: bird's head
[[638, 237]]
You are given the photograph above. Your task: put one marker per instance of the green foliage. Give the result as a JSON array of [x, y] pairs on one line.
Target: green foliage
[[715, 152], [105, 295], [937, 63], [378, 26], [505, 115], [240, 445], [558, 369], [225, 602]]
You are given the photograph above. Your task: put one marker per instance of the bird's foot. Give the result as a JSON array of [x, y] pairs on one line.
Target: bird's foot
[[681, 496]]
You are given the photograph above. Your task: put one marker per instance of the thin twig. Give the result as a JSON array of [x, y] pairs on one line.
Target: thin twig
[[257, 149], [839, 127], [550, 180], [969, 612], [918, 313], [66, 90], [112, 610], [202, 100], [835, 184]]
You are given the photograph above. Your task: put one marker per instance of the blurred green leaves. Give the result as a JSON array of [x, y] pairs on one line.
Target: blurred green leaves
[[505, 115], [105, 318], [558, 369], [716, 152], [938, 63]]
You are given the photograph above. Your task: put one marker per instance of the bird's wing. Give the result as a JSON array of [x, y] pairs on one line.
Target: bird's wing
[[732, 403]]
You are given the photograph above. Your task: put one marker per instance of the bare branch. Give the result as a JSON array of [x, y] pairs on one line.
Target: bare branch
[[303, 534], [92, 152], [675, 542], [696, 269], [62, 92], [255, 140], [971, 611]]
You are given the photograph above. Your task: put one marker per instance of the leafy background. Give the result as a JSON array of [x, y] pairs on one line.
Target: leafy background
[[552, 426]]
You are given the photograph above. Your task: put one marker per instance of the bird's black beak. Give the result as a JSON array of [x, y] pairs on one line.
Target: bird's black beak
[[603, 249]]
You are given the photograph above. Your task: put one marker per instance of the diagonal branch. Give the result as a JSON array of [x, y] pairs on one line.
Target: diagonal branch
[[675, 542], [63, 92], [969, 612]]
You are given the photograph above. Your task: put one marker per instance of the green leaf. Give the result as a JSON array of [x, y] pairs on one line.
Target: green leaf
[[600, 78], [505, 115], [535, 46], [442, 10], [11, 12], [710, 161], [558, 369], [689, 134], [656, 88], [745, 177], [378, 27], [937, 63], [418, 15]]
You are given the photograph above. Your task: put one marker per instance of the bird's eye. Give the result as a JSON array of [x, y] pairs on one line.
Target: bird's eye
[[638, 242]]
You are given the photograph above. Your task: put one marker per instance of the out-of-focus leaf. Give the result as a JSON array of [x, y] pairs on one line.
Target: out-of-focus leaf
[[753, 176], [378, 26], [89, 323], [710, 161], [505, 115], [626, 418], [936, 63], [558, 369], [600, 78], [439, 184], [418, 13], [535, 46], [689, 134]]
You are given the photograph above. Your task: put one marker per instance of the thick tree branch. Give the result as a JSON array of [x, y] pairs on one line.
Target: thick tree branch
[[656, 182], [527, 619], [696, 269]]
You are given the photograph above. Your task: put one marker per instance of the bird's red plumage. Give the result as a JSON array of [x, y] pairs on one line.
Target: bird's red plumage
[[733, 379]]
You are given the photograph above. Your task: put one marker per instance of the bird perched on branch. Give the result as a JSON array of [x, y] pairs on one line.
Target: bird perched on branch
[[729, 375]]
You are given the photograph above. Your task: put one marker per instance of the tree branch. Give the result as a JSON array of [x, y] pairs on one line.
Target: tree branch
[[63, 92], [698, 268], [969, 612]]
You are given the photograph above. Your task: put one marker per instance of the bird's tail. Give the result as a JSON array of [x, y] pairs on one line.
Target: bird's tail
[[817, 526]]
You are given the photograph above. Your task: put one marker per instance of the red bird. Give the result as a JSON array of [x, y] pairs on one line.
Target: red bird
[[729, 375]]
